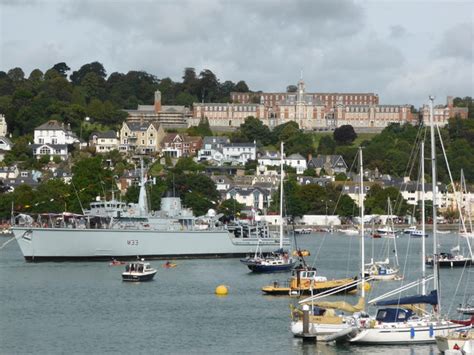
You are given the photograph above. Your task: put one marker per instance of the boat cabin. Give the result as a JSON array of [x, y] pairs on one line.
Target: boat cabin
[[393, 315], [138, 267]]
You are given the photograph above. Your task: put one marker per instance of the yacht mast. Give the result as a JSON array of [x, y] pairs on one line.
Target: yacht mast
[[434, 185], [281, 197], [361, 204], [423, 228]]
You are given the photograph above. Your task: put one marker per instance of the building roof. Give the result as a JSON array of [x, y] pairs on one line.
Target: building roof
[[52, 146], [216, 140], [321, 160], [52, 125], [170, 138], [295, 156], [246, 191], [221, 179], [6, 140], [106, 134], [246, 145]]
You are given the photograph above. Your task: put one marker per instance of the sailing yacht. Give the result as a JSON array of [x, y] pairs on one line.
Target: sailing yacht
[[382, 270], [404, 321], [280, 260], [322, 319]]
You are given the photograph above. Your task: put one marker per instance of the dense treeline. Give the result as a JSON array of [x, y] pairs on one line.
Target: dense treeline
[[58, 93]]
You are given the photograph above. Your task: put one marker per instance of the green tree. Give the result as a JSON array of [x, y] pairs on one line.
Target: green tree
[[90, 179], [254, 130], [344, 134], [230, 207], [327, 145]]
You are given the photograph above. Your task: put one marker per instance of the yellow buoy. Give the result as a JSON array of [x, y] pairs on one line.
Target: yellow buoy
[[221, 290], [367, 286]]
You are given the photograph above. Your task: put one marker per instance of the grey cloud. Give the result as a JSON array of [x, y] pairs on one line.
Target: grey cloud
[[397, 31], [457, 42], [369, 54]]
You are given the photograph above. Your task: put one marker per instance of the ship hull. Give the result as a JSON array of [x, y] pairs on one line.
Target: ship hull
[[61, 244]]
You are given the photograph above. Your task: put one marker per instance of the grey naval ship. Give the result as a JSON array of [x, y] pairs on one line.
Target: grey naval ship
[[116, 230]]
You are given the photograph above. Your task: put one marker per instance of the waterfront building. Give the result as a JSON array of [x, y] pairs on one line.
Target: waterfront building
[[52, 139]]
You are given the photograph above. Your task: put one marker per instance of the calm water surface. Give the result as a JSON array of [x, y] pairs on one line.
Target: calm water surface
[[79, 308]]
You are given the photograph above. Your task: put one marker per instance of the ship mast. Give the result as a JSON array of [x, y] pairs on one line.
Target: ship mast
[[361, 204], [434, 185], [281, 197], [423, 228]]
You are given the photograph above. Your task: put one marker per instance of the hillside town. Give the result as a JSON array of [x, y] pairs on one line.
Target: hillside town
[[246, 172]]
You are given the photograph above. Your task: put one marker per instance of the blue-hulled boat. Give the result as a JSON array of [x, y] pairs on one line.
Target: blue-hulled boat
[[279, 261]]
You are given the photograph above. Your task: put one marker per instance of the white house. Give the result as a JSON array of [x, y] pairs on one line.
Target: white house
[[52, 139], [249, 196], [296, 161], [223, 182], [269, 159], [239, 153], [104, 141], [212, 149]]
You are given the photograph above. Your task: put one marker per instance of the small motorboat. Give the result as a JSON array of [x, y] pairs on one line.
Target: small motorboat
[[417, 233], [138, 271], [453, 259], [409, 230], [303, 230]]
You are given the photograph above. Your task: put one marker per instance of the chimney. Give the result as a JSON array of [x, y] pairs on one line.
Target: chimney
[[310, 157], [157, 101]]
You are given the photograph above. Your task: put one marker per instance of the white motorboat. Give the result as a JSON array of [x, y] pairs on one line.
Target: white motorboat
[[138, 271], [417, 233]]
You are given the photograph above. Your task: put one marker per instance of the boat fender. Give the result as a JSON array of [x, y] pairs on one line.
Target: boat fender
[[412, 332], [431, 331]]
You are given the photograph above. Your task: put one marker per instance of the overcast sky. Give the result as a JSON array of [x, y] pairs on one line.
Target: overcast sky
[[402, 50]]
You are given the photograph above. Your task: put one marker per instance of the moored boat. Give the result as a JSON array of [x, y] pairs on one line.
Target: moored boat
[[138, 271], [305, 281], [459, 339]]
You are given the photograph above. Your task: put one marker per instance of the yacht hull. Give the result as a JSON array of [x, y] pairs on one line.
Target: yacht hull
[[59, 244], [402, 333]]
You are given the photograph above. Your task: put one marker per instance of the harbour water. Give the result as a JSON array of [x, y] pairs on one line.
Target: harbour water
[[79, 308]]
